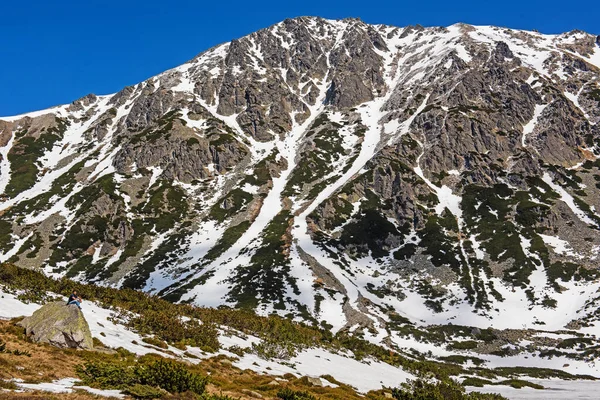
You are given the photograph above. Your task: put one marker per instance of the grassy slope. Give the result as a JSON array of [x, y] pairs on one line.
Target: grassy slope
[[54, 363]]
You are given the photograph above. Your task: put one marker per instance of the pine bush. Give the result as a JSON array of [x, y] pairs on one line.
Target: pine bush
[[447, 390], [289, 394]]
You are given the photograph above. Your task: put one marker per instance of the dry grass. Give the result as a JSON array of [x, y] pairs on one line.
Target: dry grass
[[45, 364], [80, 395], [229, 380]]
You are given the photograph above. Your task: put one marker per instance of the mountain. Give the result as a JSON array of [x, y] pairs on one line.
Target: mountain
[[361, 177]]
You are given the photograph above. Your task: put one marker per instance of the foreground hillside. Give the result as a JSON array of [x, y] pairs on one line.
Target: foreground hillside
[[243, 352]]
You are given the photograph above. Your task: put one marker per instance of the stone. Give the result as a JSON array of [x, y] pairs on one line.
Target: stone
[[251, 393], [314, 381], [273, 383], [60, 325]]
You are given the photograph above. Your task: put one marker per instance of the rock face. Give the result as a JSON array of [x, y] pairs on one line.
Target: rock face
[[59, 325], [382, 175]]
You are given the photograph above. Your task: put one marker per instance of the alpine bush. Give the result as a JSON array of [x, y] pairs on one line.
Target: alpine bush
[[168, 375], [446, 390], [289, 394]]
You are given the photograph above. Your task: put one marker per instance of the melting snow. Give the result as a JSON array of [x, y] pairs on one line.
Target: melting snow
[[560, 246], [68, 385], [568, 200], [530, 126]]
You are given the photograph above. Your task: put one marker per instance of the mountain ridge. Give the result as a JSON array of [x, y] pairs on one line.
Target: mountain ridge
[[358, 19]]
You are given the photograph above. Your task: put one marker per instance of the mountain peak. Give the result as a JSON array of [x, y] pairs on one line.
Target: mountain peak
[[341, 172]]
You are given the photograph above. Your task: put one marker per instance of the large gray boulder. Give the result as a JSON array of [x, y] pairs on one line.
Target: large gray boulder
[[60, 325]]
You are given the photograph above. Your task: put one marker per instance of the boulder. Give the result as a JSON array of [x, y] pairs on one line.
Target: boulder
[[60, 325], [250, 393], [314, 381]]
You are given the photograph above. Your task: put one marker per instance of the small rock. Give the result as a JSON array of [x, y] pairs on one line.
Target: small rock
[[388, 395], [225, 362], [314, 381], [566, 365], [250, 393], [273, 383]]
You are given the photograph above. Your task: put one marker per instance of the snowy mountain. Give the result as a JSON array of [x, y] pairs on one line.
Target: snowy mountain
[[362, 177]]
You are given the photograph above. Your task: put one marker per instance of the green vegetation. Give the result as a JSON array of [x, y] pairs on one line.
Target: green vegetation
[[167, 252], [171, 376], [25, 153], [61, 187], [155, 342], [368, 232], [5, 235], [456, 359], [446, 390], [221, 140], [267, 275], [162, 129], [438, 244], [465, 345], [152, 316], [166, 206], [233, 203], [262, 171], [230, 236], [289, 394], [593, 94], [515, 383], [317, 160]]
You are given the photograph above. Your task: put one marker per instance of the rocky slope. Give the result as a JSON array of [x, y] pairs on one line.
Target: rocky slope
[[362, 177]]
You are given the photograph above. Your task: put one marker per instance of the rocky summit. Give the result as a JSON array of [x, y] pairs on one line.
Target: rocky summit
[[356, 176]]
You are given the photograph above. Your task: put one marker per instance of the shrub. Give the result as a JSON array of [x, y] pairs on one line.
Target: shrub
[[141, 392], [107, 375], [9, 385], [168, 375], [289, 394], [155, 342], [446, 390], [97, 342], [194, 396], [18, 352], [171, 376], [269, 350], [465, 345]]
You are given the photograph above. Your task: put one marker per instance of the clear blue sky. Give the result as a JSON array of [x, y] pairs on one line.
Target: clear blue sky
[[53, 52]]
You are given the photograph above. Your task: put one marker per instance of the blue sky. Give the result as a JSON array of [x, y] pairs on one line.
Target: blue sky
[[53, 52]]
